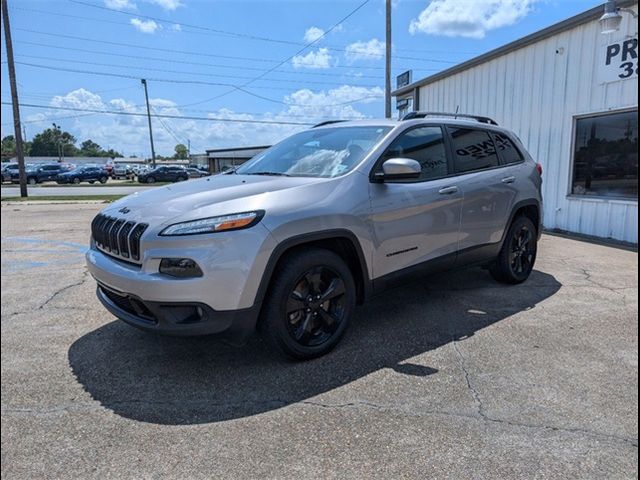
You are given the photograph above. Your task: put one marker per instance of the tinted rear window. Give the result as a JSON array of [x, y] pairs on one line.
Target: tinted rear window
[[474, 149], [507, 150]]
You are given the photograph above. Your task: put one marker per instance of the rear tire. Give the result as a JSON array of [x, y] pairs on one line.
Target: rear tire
[[32, 181], [76, 180], [295, 320], [517, 257], [103, 180]]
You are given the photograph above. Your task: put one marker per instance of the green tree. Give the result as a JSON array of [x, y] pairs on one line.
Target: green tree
[[89, 148], [46, 143], [8, 146], [181, 152]]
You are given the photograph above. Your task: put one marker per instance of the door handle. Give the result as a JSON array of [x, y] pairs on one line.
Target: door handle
[[508, 179], [448, 190]]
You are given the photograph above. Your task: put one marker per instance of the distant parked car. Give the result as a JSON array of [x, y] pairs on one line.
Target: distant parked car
[[123, 171], [196, 173], [42, 173], [164, 174], [83, 174], [137, 169]]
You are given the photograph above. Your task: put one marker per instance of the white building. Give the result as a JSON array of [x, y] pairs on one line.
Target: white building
[[570, 93]]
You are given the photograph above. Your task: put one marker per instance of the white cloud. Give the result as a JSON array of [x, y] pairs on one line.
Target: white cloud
[[79, 98], [312, 34], [315, 59], [168, 4], [129, 133], [120, 4], [371, 50], [176, 27], [145, 26], [468, 18]]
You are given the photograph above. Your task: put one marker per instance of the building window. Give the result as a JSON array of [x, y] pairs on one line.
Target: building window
[[605, 161]]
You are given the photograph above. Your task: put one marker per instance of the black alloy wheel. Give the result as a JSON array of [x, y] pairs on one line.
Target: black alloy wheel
[[309, 304], [522, 251], [315, 307], [518, 254]]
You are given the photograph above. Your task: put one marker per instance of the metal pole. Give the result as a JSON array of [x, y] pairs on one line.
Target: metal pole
[[387, 73], [146, 96], [14, 99]]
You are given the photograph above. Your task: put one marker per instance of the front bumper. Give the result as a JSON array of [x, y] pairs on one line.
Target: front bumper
[[179, 318], [223, 301]]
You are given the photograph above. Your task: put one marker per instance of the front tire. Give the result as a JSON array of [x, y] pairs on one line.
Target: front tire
[[310, 302], [103, 180], [151, 180], [518, 254], [32, 181]]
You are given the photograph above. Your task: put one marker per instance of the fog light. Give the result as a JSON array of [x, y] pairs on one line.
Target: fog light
[[180, 267]]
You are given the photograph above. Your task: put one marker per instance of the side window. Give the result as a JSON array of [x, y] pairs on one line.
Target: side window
[[506, 149], [474, 150], [424, 145]]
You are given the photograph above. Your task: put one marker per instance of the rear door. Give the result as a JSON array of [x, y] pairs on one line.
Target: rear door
[[415, 221], [489, 186]]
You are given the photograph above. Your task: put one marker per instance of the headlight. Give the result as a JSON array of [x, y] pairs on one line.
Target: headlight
[[222, 223]]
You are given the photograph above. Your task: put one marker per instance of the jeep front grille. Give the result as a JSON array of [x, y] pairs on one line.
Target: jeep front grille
[[117, 237]]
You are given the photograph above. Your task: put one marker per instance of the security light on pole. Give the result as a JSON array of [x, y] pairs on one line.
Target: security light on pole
[[612, 18]]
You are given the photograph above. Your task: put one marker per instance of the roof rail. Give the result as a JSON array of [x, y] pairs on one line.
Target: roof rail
[[477, 118], [328, 122]]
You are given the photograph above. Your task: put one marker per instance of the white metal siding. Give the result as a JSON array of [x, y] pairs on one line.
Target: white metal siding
[[537, 92]]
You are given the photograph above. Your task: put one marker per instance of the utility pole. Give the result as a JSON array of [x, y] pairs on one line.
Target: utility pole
[[57, 129], [146, 96], [14, 100], [387, 73], [189, 149]]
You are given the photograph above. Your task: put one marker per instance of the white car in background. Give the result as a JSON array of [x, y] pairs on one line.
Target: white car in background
[[123, 171]]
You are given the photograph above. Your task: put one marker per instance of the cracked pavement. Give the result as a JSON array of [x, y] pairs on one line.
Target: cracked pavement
[[454, 376]]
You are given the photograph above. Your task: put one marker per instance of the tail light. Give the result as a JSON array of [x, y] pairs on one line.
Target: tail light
[[539, 168]]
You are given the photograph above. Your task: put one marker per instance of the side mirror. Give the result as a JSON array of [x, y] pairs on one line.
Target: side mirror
[[398, 169]]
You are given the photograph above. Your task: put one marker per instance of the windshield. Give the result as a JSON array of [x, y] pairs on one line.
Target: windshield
[[326, 152]]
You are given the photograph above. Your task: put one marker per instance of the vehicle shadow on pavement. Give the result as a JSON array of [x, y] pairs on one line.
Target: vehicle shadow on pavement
[[178, 381]]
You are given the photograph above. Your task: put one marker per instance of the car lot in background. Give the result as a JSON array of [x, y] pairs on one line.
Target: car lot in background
[[83, 174], [42, 173], [170, 173]]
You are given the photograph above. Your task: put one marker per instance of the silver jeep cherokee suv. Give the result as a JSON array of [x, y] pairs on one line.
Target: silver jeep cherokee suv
[[292, 240]]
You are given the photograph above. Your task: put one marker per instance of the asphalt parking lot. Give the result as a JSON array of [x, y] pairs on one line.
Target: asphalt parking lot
[[450, 377]]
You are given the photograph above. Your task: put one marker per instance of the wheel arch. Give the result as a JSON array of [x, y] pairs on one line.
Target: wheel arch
[[340, 241], [529, 208]]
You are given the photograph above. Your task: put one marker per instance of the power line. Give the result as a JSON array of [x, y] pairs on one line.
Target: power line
[[185, 52], [212, 65], [190, 82], [286, 60], [312, 82], [225, 33], [178, 117]]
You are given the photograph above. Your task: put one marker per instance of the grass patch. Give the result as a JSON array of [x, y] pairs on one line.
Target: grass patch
[[64, 198]]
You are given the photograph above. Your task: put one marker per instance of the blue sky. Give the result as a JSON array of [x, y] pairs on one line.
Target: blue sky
[[195, 53]]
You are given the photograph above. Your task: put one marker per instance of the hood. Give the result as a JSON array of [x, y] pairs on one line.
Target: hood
[[204, 197]]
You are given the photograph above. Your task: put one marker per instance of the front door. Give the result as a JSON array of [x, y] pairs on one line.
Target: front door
[[415, 221]]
